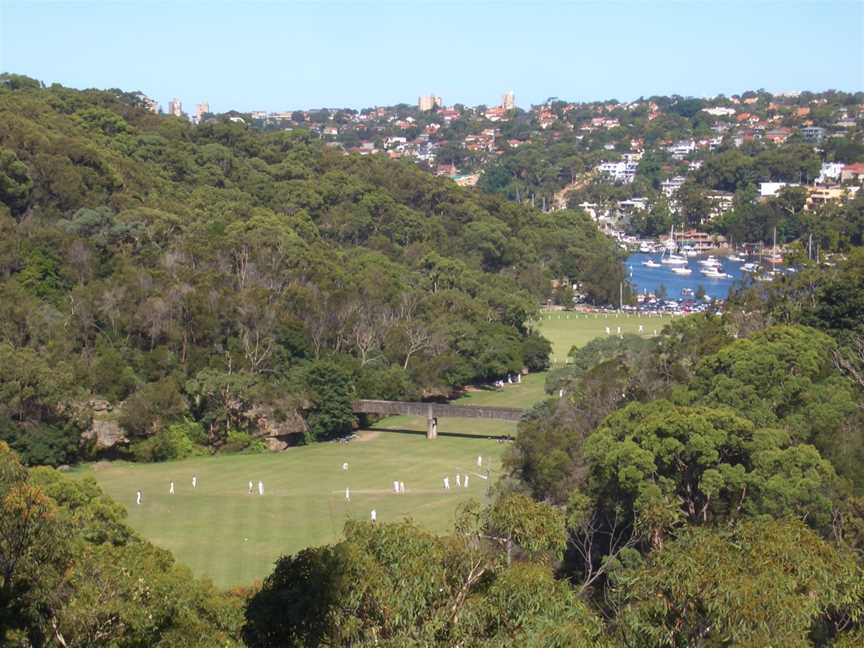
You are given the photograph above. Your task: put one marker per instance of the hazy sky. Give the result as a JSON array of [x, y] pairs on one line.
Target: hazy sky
[[286, 55]]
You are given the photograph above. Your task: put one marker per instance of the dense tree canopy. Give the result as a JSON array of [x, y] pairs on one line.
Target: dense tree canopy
[[177, 285], [206, 272], [688, 463], [73, 574]]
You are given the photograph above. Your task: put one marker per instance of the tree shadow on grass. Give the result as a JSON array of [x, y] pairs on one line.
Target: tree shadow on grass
[[456, 435]]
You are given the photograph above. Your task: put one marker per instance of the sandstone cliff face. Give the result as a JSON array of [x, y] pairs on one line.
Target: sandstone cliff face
[[104, 432], [278, 430]]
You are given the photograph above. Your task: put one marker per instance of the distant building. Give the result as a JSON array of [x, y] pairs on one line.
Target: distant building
[[830, 172], [200, 110], [620, 172], [699, 241], [771, 189], [640, 204], [150, 104], [720, 111], [175, 107], [508, 101], [813, 134], [740, 138], [682, 149], [670, 186], [778, 135], [721, 202], [496, 113], [852, 172], [428, 102], [822, 195], [448, 114]]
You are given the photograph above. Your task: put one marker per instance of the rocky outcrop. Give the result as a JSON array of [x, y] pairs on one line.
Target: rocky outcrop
[[104, 431], [279, 429]]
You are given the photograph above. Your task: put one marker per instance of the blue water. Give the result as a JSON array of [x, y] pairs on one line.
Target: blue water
[[649, 279]]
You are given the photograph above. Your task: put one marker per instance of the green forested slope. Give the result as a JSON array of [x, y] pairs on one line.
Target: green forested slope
[[217, 273]]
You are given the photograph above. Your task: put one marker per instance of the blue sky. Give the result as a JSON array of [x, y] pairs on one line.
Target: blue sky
[[287, 55]]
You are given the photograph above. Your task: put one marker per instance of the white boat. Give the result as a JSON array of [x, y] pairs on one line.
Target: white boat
[[750, 267], [735, 258], [651, 263], [672, 259], [713, 273], [670, 242], [710, 261], [681, 271], [645, 247], [765, 277], [776, 258]]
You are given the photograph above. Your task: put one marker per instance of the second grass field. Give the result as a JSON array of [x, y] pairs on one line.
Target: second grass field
[[566, 330]]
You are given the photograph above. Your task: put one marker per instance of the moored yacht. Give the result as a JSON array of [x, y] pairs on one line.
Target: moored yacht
[[776, 258], [681, 271], [672, 259], [650, 263], [714, 273]]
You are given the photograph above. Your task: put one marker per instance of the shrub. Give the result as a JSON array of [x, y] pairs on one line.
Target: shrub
[[110, 376], [174, 442], [332, 393], [41, 443], [149, 407], [238, 441], [535, 351], [388, 383]]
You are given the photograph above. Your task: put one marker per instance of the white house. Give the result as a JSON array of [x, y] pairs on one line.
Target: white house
[[619, 171], [670, 186], [682, 149], [771, 189], [719, 111], [830, 172]]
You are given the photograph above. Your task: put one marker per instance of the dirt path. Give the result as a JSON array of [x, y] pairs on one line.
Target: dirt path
[[559, 200], [367, 435]]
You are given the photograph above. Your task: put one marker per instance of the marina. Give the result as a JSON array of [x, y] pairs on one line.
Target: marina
[[716, 275]]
